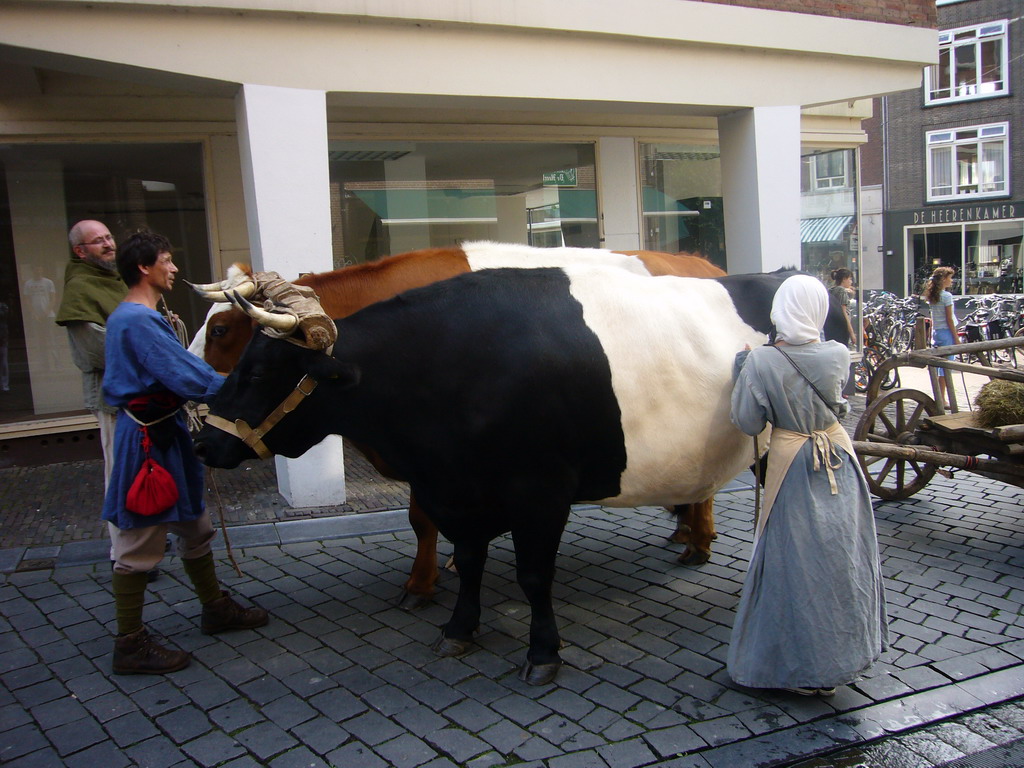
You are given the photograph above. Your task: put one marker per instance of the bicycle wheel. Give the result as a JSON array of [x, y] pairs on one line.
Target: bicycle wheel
[[861, 375], [903, 338], [973, 333], [874, 357], [1004, 357], [1017, 353]]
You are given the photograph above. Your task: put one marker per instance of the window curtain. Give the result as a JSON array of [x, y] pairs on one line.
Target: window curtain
[[992, 174], [942, 171]]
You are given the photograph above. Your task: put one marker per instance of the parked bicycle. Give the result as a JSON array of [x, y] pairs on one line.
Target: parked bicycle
[[889, 329], [992, 316]]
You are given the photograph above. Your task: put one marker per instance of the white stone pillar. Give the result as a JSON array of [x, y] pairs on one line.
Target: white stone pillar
[[761, 188], [619, 198], [282, 136], [404, 203], [512, 222]]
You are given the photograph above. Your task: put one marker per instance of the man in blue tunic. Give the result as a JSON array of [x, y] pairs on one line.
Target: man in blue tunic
[[149, 375]]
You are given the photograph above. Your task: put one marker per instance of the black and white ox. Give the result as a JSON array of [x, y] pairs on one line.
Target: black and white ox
[[506, 395]]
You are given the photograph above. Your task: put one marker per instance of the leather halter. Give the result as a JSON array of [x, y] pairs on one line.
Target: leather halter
[[254, 437]]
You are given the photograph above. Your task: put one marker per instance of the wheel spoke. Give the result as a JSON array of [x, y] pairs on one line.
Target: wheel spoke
[[915, 417], [891, 430], [886, 469], [918, 470], [901, 418]]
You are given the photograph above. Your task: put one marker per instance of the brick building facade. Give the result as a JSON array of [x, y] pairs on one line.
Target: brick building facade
[[918, 13], [969, 228]]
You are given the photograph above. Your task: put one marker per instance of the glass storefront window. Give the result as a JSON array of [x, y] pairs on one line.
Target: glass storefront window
[[681, 189], [987, 257], [828, 218], [993, 258], [828, 214], [44, 189], [934, 248], [388, 197]]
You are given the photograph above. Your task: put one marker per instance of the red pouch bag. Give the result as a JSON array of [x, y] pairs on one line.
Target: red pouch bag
[[153, 491]]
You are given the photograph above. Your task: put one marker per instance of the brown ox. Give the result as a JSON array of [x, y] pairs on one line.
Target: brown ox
[[345, 291]]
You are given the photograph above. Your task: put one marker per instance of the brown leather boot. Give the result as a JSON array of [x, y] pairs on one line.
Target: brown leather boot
[[138, 653], [224, 615]]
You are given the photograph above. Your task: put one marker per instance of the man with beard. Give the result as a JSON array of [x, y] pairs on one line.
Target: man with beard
[[92, 290]]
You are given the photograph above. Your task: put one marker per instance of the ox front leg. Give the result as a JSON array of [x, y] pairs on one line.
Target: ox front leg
[[535, 571], [419, 587], [457, 635], [695, 527]]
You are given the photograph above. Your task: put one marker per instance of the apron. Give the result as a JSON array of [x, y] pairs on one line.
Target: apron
[[784, 447]]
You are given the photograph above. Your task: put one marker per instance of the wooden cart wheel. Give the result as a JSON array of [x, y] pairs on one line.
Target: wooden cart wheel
[[894, 419], [884, 375]]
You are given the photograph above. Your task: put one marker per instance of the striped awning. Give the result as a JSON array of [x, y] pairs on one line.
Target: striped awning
[[825, 230]]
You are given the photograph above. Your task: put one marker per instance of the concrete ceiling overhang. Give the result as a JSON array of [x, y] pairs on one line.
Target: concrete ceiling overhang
[[581, 57], [20, 68]]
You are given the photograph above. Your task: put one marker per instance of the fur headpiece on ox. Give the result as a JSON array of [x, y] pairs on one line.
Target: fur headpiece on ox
[[288, 310]]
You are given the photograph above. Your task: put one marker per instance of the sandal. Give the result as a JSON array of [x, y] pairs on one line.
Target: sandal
[[812, 691]]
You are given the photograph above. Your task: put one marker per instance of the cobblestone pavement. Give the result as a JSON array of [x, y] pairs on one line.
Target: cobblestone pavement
[[341, 677]]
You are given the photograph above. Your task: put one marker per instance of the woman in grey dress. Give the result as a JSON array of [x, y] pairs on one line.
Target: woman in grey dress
[[812, 613]]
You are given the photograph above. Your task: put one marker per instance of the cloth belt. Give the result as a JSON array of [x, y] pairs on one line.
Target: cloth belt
[[141, 423], [785, 445]]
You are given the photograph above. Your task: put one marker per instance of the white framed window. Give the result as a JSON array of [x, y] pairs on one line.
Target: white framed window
[[968, 162], [830, 170], [824, 171], [972, 65]]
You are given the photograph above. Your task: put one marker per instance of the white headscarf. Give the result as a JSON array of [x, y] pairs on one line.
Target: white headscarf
[[799, 309]]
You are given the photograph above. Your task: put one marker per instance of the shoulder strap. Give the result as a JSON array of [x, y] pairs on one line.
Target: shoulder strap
[[829, 405]]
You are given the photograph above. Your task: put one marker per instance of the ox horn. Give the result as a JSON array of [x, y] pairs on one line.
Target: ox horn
[[282, 322], [239, 277], [216, 292]]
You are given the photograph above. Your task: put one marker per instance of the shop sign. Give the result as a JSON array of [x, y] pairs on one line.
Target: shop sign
[[566, 178], [958, 214]]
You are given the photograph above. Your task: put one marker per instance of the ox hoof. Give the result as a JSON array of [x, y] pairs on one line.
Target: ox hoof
[[681, 535], [449, 646], [538, 674], [411, 602], [693, 556]]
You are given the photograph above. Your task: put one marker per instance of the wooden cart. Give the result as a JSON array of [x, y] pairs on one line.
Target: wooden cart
[[905, 435]]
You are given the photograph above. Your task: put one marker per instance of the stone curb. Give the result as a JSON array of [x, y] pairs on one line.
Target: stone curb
[[887, 718], [252, 535]]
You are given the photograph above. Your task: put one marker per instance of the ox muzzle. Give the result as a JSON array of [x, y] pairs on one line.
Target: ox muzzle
[[253, 437]]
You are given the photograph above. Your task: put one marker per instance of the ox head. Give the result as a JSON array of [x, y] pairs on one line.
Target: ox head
[[222, 338], [271, 386]]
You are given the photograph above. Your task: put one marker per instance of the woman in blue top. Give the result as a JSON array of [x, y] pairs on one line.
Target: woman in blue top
[[149, 375], [940, 302]]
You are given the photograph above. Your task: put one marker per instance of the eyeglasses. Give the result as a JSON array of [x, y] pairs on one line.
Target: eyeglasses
[[100, 240]]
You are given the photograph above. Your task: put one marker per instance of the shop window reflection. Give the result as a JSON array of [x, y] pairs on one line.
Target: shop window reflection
[[44, 189], [392, 197]]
